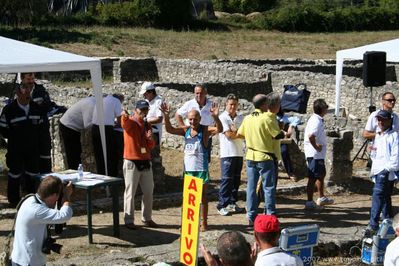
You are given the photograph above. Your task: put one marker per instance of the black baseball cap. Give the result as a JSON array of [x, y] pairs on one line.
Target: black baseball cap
[[384, 114], [142, 104]]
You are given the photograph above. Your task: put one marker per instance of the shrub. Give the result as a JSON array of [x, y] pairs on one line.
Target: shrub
[[17, 13], [136, 12], [174, 13], [243, 6], [318, 17]]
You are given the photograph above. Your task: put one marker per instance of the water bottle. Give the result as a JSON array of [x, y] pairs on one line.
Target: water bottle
[[80, 172], [384, 227]]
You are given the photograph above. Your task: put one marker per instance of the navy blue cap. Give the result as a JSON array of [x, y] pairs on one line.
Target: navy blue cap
[[141, 104], [384, 114]]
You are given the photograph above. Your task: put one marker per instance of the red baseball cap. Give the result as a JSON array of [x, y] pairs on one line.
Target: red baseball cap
[[266, 224]]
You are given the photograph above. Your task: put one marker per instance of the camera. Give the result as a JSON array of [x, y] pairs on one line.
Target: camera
[[50, 245]]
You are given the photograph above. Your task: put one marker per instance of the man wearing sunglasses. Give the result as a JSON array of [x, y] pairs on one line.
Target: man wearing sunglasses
[[383, 172], [388, 101]]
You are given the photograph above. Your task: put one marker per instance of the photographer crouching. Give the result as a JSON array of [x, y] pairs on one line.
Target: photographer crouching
[[32, 240]]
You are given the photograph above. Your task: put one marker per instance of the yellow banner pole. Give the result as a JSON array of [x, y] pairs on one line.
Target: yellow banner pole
[[190, 220]]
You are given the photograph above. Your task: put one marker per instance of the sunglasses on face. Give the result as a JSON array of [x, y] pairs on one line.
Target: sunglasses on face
[[390, 100]]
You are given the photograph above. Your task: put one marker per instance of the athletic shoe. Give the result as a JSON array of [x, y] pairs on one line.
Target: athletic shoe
[[223, 211], [234, 208], [324, 201], [311, 205]]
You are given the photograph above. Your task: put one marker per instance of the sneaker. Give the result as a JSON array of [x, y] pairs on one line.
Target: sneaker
[[234, 208], [311, 205], [369, 231], [223, 211], [324, 201]]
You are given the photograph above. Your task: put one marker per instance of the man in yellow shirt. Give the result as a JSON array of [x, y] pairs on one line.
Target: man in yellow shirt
[[261, 132]]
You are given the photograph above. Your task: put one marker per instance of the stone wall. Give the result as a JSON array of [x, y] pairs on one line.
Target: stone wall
[[177, 77]]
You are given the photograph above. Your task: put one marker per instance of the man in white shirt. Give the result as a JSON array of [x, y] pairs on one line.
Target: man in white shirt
[[388, 101], [231, 157], [34, 215], [154, 116], [77, 118], [203, 105], [112, 110], [315, 146], [392, 252], [200, 103], [267, 234], [385, 158]]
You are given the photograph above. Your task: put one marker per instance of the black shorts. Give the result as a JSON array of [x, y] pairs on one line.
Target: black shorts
[[316, 168]]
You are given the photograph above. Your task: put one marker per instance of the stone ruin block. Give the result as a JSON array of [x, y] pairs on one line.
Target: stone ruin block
[[127, 70], [338, 162], [338, 157]]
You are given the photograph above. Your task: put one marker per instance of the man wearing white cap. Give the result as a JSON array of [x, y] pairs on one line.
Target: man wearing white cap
[[154, 116]]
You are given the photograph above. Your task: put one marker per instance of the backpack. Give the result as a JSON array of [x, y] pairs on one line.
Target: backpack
[[295, 99]]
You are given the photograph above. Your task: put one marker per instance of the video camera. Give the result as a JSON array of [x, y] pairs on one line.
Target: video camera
[[50, 245]]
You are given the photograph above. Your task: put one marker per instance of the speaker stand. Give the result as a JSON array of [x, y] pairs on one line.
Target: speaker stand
[[363, 148]]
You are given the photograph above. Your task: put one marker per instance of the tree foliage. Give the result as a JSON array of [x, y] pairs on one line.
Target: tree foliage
[[17, 13]]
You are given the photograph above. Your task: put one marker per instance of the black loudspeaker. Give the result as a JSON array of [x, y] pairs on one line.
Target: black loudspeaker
[[374, 66]]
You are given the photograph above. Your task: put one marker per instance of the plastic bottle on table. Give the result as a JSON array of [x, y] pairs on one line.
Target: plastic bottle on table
[[80, 172]]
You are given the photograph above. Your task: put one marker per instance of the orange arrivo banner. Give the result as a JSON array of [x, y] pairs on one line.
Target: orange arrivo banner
[[192, 196]]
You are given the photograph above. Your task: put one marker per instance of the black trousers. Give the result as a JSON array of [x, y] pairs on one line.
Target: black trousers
[[45, 150], [22, 168], [118, 135], [72, 146], [112, 163]]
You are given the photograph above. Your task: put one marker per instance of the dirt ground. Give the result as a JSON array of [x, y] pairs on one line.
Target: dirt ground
[[350, 210]]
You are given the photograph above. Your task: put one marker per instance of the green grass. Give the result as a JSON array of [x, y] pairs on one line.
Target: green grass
[[201, 44]]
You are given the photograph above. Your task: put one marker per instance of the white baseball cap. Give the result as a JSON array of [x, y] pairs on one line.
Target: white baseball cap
[[146, 86]]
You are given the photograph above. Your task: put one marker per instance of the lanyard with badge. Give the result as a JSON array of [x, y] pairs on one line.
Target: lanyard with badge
[[143, 145]]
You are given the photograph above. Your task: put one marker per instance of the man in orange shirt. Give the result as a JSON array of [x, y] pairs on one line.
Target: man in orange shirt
[[138, 143]]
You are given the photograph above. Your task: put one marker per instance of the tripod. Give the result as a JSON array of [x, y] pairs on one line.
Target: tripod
[[363, 148]]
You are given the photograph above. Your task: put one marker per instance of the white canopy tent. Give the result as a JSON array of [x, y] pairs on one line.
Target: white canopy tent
[[390, 47], [16, 56]]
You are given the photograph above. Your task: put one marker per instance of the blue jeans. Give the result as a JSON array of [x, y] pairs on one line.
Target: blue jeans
[[381, 199], [230, 181], [265, 170]]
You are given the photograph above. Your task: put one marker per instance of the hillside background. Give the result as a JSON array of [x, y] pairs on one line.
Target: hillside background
[[313, 29]]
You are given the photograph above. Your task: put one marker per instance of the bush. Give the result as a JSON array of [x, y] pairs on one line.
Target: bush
[[243, 6], [17, 13], [174, 13], [86, 19], [316, 17], [134, 13]]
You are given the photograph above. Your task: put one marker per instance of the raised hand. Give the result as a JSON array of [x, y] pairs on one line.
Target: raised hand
[[125, 113], [165, 108], [209, 258]]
